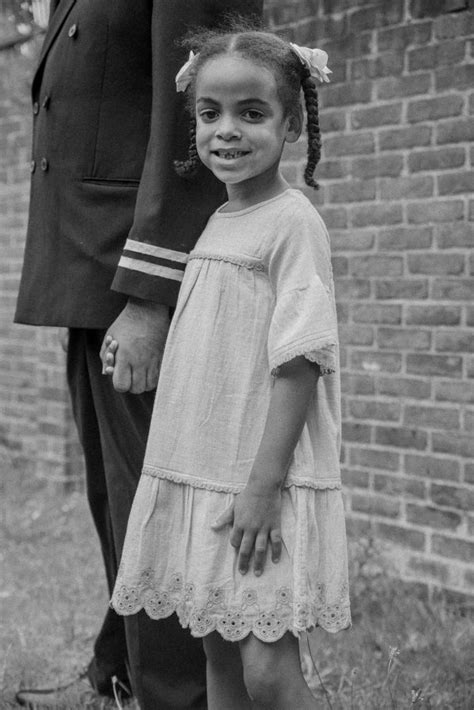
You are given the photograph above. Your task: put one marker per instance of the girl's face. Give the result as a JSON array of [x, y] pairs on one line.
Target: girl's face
[[240, 124]]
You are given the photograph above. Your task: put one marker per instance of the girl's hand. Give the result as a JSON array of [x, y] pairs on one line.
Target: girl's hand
[[255, 517]]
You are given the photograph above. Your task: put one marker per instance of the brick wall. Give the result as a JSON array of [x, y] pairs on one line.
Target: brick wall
[[396, 177]]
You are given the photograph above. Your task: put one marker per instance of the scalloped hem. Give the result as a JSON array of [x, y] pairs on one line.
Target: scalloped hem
[[325, 360], [232, 625]]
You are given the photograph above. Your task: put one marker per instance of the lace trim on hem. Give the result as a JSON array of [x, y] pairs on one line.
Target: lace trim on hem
[[235, 622], [247, 264], [325, 360], [219, 487]]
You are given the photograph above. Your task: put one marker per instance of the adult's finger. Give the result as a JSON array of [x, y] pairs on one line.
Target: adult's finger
[[276, 545], [261, 542], [225, 518], [122, 377], [138, 385], [105, 344]]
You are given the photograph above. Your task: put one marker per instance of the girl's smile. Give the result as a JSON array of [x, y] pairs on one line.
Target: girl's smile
[[241, 128]]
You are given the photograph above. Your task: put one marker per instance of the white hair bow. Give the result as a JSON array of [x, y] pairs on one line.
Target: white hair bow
[[315, 60], [185, 74]]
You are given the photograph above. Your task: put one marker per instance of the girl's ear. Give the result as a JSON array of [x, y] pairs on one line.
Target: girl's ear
[[295, 125]]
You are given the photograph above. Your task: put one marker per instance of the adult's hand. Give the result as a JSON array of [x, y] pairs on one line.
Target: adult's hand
[[140, 330]]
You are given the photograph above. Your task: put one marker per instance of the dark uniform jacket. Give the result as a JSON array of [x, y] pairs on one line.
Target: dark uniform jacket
[[108, 215]]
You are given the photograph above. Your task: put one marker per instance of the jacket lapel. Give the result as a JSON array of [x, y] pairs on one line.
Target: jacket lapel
[[57, 20]]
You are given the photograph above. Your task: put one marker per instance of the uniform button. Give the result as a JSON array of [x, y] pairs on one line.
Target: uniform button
[[36, 108], [46, 102], [44, 164], [32, 166], [72, 31]]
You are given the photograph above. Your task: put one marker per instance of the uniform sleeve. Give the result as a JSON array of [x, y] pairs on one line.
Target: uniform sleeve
[[171, 212], [304, 317]]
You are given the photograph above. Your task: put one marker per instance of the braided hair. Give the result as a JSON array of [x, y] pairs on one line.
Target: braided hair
[[269, 51]]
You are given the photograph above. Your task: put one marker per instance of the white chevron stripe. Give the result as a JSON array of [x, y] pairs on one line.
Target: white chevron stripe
[[153, 269], [152, 250]]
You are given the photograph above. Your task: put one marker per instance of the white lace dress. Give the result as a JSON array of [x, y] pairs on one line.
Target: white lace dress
[[257, 292]]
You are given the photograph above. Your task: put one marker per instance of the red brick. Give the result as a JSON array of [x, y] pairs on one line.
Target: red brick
[[404, 387], [432, 517], [434, 109], [403, 339], [342, 310], [376, 313], [353, 92], [470, 316], [376, 214], [398, 38], [377, 116], [461, 498], [377, 166], [437, 159], [468, 420], [409, 137], [432, 467], [335, 218], [332, 169], [429, 569], [460, 77], [352, 478], [435, 210], [399, 486], [442, 365], [355, 144], [401, 437], [348, 289], [455, 183], [375, 505], [402, 238], [459, 130], [454, 289], [355, 431], [436, 264], [455, 341], [376, 266], [356, 335], [358, 527], [377, 16], [401, 289], [433, 315], [340, 265], [459, 25], [431, 417], [453, 443], [400, 86], [373, 409], [352, 191], [469, 473], [403, 536], [332, 121], [453, 547], [406, 188], [357, 384], [438, 55], [455, 235], [374, 458], [352, 241]]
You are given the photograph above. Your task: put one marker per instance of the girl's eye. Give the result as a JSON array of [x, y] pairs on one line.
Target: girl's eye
[[253, 115], [207, 115]]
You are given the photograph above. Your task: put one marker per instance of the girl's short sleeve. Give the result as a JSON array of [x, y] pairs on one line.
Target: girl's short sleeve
[[304, 317]]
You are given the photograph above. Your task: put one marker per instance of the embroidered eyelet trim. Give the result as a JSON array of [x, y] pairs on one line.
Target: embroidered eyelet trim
[[324, 356], [234, 622]]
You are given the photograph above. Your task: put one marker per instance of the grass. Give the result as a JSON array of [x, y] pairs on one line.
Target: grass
[[402, 652]]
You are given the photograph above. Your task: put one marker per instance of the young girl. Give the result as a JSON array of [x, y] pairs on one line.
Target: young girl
[[238, 524]]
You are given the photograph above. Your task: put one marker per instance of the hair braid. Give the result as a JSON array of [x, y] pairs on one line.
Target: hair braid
[[312, 127], [189, 167]]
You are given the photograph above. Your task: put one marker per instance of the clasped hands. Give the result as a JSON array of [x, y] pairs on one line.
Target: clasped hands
[[133, 346]]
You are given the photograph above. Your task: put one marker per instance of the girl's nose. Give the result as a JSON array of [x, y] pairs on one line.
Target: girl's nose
[[227, 129]]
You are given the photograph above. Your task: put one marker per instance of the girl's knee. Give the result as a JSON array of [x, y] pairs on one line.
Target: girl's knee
[[262, 683], [265, 667]]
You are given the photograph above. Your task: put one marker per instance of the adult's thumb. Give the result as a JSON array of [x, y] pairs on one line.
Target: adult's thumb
[[225, 518]]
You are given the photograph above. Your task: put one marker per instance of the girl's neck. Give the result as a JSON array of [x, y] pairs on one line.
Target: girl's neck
[[243, 195]]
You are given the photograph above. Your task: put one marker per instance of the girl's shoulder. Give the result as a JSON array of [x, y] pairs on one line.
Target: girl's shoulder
[[296, 219]]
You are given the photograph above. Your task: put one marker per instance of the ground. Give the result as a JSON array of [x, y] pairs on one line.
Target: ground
[[402, 651]]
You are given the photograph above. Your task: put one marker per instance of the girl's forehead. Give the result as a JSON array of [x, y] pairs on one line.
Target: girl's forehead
[[232, 74]]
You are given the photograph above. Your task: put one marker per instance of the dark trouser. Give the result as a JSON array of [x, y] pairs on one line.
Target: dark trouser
[[167, 665]]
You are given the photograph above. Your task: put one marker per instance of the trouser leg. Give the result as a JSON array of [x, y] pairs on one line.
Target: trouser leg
[[167, 665]]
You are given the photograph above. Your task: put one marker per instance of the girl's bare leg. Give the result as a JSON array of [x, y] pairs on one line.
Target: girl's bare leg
[[225, 683], [273, 675]]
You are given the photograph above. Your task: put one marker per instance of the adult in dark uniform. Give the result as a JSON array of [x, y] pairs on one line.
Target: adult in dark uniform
[[109, 226]]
